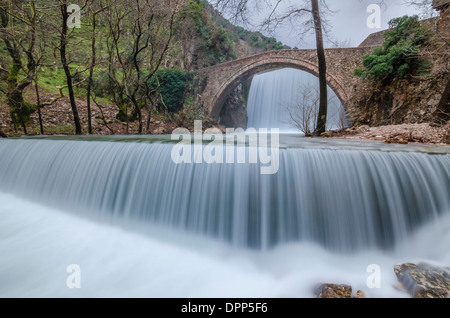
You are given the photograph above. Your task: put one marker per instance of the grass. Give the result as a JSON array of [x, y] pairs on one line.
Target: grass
[[60, 129]]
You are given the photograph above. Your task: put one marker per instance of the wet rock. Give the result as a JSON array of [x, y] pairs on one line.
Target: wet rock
[[333, 291], [424, 280]]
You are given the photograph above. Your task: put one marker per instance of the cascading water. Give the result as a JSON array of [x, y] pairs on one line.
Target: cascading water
[[346, 200], [273, 94]]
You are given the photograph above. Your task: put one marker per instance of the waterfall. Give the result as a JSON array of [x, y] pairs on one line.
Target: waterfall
[[344, 199], [272, 94]]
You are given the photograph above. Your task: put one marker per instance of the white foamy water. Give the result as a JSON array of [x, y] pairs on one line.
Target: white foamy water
[[37, 244]]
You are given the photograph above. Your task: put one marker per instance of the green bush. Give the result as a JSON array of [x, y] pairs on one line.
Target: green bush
[[171, 84], [399, 56]]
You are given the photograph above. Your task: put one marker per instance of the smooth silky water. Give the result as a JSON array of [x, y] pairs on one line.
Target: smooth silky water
[[139, 225]]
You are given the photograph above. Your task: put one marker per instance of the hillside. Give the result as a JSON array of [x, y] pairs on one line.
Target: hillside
[[201, 38]]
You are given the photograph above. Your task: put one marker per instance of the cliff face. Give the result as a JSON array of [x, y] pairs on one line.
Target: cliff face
[[234, 111], [414, 99]]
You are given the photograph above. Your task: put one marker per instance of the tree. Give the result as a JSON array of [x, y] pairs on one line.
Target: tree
[[64, 39], [95, 11], [323, 108], [303, 114], [20, 46], [136, 55], [306, 16]]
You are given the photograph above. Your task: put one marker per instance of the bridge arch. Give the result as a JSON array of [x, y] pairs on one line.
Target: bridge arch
[[233, 76]]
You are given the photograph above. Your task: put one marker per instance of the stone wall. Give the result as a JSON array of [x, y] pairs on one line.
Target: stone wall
[[218, 82]]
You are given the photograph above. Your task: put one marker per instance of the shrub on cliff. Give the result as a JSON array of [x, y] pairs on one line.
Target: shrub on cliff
[[171, 86], [399, 56]]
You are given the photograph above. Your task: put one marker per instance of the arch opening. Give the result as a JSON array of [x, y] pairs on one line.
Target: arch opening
[[264, 66]]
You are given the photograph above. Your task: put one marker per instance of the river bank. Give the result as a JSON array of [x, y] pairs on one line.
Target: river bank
[[405, 133]]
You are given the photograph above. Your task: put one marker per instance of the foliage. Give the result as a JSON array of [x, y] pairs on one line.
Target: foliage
[[212, 42], [171, 86], [399, 56], [21, 114], [123, 115]]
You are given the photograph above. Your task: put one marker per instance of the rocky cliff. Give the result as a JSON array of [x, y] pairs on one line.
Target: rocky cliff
[[417, 99]]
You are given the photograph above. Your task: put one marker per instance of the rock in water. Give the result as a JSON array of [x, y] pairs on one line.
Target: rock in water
[[334, 291], [424, 280], [359, 294]]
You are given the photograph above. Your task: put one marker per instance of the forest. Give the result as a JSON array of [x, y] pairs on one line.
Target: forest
[[118, 66]]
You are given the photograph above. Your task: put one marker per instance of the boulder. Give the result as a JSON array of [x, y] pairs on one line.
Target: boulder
[[333, 291], [424, 280], [360, 294]]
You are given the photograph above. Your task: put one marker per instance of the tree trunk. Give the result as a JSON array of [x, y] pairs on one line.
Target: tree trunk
[[18, 107], [65, 65], [323, 106]]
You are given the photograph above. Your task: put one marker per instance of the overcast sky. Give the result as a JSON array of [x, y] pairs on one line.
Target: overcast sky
[[349, 21]]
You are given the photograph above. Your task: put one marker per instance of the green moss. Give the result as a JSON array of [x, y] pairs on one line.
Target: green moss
[[14, 73], [21, 112], [400, 54]]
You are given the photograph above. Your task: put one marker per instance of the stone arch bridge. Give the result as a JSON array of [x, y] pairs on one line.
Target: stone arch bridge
[[216, 83]]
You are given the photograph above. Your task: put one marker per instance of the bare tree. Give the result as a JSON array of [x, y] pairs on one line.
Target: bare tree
[[138, 53], [425, 6], [40, 104], [65, 62], [303, 115], [304, 17], [95, 11]]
